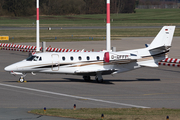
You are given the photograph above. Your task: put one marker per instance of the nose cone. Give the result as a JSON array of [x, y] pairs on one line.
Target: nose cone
[[10, 68]]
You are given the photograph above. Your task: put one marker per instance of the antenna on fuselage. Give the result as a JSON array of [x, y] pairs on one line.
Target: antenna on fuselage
[[108, 27], [37, 27]]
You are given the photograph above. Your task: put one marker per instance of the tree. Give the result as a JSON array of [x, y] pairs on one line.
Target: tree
[[137, 3], [65, 7], [20, 7], [94, 7], [123, 6], [117, 6], [62, 7], [129, 6], [1, 9]]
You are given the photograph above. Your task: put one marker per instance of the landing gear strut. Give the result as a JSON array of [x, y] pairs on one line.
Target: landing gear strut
[[99, 78], [87, 78]]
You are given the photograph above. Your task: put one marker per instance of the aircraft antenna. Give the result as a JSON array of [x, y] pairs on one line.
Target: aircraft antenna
[[37, 27], [108, 27]]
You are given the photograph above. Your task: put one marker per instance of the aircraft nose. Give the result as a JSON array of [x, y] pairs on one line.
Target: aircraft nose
[[10, 68]]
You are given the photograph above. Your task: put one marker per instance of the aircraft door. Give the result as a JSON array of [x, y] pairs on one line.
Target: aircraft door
[[55, 62]]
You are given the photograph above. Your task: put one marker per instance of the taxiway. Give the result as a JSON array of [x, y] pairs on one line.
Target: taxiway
[[143, 88]]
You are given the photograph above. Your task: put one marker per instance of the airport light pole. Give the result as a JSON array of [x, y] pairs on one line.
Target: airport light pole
[[108, 27], [37, 27]]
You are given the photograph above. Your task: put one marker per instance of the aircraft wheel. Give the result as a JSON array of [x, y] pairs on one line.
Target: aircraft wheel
[[21, 80], [99, 80], [87, 78]]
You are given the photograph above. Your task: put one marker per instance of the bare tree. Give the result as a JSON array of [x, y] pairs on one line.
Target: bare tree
[[64, 7], [20, 7]]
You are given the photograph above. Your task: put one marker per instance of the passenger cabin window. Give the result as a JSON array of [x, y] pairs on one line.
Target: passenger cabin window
[[88, 58], [98, 58], [63, 58], [80, 58], [40, 59], [71, 58]]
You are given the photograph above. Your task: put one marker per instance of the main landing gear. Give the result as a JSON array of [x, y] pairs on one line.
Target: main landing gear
[[87, 78], [98, 78]]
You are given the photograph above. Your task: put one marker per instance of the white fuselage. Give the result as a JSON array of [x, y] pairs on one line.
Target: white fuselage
[[81, 63]]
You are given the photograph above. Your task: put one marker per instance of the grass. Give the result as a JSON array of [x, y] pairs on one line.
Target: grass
[[142, 17], [113, 113], [78, 34]]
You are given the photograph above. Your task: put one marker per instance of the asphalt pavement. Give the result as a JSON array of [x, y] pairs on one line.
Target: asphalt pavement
[[143, 88]]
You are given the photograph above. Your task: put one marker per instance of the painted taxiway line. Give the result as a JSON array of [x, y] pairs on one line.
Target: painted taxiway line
[[72, 96]]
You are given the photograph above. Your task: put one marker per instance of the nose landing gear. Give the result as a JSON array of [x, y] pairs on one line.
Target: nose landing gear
[[21, 79]]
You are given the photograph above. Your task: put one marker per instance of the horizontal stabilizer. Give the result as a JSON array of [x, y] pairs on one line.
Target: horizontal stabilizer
[[149, 63]]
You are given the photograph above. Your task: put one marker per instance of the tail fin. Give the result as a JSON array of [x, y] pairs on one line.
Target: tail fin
[[163, 38], [159, 47]]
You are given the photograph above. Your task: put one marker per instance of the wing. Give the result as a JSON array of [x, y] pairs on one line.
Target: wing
[[94, 72]]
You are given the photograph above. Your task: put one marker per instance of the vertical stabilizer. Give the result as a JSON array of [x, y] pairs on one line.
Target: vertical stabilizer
[[158, 48], [163, 38]]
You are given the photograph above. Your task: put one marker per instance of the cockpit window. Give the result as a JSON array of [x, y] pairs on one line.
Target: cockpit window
[[30, 58], [34, 58]]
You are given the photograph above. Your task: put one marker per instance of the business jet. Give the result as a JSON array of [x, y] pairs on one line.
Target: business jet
[[88, 64]]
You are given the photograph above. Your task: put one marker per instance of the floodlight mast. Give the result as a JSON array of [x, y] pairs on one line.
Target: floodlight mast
[[108, 27], [37, 27]]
